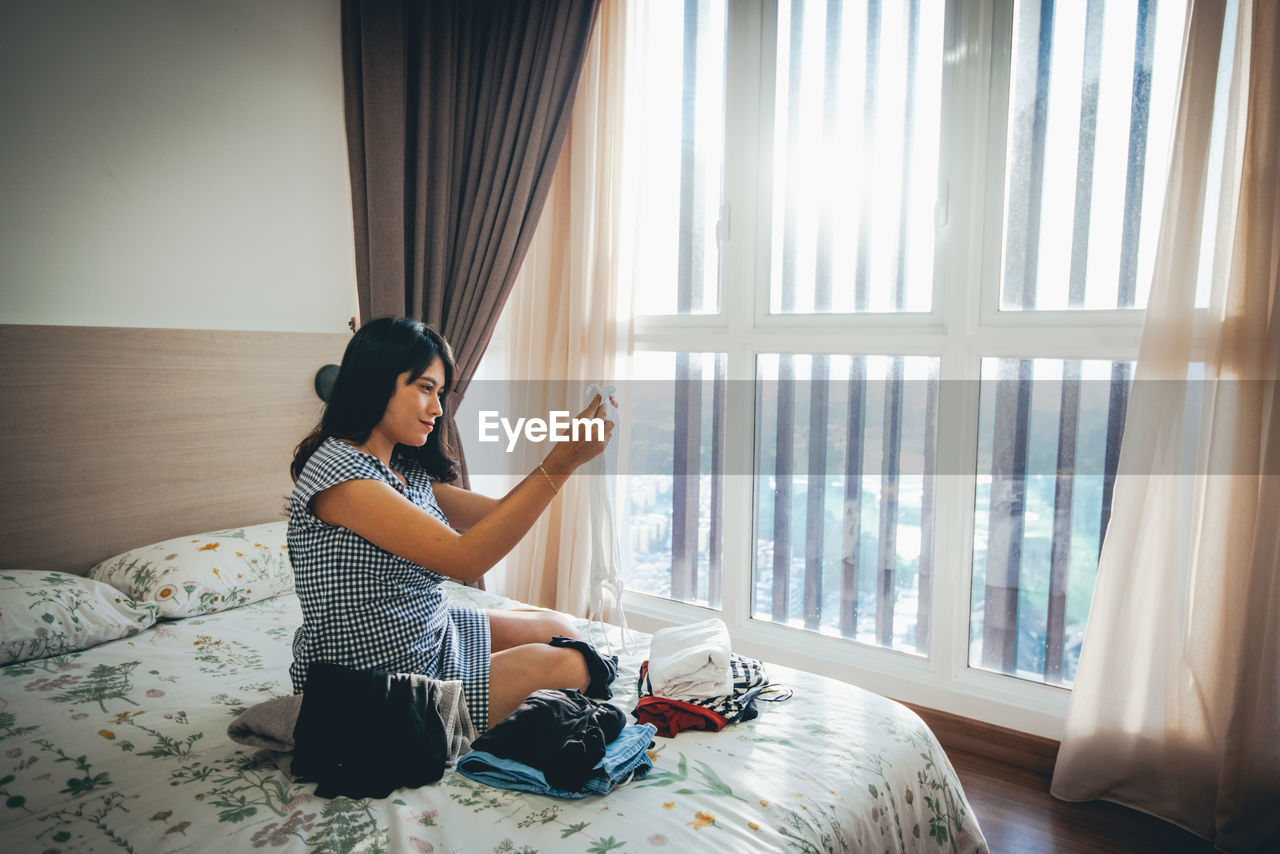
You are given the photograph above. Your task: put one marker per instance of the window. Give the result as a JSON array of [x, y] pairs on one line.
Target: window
[[674, 453], [1091, 112], [891, 257], [1048, 443]]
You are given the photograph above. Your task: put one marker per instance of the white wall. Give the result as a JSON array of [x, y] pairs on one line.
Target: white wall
[[174, 163]]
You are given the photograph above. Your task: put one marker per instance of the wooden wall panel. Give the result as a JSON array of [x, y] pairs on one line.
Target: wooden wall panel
[[114, 438]]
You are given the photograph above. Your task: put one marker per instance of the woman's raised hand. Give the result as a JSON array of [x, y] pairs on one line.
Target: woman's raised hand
[[588, 444]]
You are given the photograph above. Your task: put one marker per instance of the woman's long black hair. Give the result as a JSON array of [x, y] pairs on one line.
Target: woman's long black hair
[[376, 356]]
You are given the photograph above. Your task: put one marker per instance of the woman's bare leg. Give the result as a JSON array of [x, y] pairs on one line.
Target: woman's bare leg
[[508, 629], [516, 672], [522, 662]]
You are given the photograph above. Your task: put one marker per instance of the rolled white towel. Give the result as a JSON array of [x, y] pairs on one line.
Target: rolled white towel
[[691, 661]]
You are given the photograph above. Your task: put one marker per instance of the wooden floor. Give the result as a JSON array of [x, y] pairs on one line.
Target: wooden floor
[[1019, 816]]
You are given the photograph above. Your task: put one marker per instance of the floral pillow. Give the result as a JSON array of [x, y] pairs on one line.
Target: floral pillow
[[200, 574], [53, 613]]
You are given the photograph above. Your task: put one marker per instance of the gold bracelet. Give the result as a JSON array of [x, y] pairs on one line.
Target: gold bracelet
[[554, 488]]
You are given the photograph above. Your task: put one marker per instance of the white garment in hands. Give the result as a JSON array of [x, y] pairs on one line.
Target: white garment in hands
[[605, 562], [691, 661]]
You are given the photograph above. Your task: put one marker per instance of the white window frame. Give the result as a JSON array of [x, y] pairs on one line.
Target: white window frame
[[963, 327]]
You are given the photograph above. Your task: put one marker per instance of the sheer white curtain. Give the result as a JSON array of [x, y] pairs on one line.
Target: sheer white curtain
[[1176, 704], [567, 320]]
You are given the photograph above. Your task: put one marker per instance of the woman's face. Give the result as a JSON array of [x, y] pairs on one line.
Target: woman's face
[[414, 406]]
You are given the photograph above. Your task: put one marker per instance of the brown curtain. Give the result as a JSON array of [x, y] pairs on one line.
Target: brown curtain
[[456, 112]]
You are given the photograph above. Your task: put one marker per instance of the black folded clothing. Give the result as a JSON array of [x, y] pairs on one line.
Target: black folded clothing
[[560, 732], [365, 733]]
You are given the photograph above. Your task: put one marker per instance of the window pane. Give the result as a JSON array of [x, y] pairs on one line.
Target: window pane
[[1093, 93], [844, 495], [674, 485], [675, 152], [1049, 440], [855, 153]]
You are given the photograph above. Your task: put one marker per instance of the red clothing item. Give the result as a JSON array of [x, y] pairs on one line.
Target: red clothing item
[[672, 716]]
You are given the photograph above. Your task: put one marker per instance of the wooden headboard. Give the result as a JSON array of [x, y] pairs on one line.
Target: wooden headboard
[[115, 438]]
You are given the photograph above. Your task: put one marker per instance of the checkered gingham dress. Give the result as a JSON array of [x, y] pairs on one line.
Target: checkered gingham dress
[[365, 608]]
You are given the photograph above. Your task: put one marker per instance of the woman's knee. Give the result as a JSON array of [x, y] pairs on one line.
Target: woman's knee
[[560, 625]]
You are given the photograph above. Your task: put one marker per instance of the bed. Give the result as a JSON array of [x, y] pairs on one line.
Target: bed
[[124, 745], [115, 705]]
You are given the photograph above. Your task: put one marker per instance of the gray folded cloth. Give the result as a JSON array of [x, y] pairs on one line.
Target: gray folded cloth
[[269, 725], [459, 732]]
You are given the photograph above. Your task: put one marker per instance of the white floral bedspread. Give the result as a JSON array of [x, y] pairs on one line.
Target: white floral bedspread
[[124, 747]]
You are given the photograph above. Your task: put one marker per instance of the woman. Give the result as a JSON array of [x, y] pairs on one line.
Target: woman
[[372, 522]]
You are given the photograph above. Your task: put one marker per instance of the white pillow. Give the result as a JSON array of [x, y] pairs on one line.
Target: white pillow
[[203, 573], [53, 613]]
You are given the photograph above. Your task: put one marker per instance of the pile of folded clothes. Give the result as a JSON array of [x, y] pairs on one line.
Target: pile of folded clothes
[[693, 680], [365, 733], [564, 743], [560, 743]]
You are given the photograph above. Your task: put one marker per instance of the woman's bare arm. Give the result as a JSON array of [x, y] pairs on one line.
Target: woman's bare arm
[[463, 507], [380, 514]]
